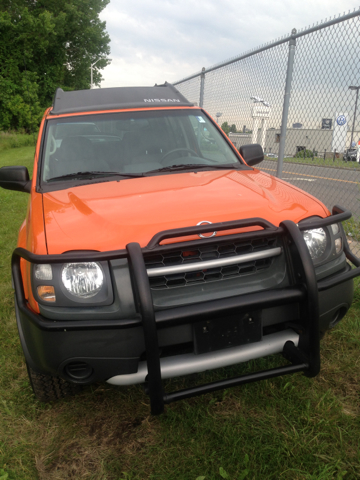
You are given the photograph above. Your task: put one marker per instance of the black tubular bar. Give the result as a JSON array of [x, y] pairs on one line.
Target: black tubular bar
[[233, 382], [339, 278], [339, 214], [54, 325], [342, 277], [304, 292], [143, 298], [304, 269], [218, 227], [309, 342], [94, 256], [78, 256], [164, 318], [242, 236], [226, 306]]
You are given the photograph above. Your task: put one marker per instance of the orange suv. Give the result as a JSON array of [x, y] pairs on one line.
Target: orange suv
[[153, 249]]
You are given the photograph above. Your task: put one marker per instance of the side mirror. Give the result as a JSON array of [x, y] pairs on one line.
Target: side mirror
[[15, 178], [252, 154]]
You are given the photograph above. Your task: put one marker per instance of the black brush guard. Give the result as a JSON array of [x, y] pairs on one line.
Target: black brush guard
[[304, 291]]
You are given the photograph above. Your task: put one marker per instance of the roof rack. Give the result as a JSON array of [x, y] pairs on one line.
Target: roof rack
[[78, 101]]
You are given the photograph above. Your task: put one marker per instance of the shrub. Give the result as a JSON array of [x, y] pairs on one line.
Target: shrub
[[306, 154], [14, 140]]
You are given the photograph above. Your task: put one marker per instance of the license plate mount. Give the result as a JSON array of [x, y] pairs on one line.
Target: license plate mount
[[227, 332]]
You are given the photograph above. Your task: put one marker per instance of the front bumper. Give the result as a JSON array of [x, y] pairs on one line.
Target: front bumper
[[112, 347]]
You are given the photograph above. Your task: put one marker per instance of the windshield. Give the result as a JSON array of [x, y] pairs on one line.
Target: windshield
[[134, 143]]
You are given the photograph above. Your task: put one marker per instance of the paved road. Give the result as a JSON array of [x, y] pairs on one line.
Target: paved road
[[330, 185]]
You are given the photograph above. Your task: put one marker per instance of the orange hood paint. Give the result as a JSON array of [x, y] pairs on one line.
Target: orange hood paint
[[109, 215]]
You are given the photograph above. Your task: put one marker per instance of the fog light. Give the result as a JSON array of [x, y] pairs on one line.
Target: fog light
[[335, 228], [43, 272], [78, 370], [46, 293], [338, 245]]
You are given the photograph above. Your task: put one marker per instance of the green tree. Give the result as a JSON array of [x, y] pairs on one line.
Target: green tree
[[46, 44], [227, 128]]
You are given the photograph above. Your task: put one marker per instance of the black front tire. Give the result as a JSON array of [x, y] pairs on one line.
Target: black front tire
[[48, 388]]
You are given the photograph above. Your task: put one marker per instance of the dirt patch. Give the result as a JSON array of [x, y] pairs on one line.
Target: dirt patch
[[81, 450]]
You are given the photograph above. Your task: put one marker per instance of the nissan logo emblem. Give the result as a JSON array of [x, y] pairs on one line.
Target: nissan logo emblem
[[205, 222]]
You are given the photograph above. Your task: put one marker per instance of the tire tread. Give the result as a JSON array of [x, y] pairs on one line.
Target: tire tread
[[49, 388]]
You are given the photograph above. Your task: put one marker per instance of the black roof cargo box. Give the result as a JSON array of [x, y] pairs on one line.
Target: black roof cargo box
[[117, 98]]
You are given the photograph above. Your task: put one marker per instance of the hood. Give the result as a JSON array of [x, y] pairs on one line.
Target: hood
[[109, 215]]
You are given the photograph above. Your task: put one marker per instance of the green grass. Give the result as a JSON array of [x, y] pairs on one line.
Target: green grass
[[291, 428], [319, 161], [16, 140]]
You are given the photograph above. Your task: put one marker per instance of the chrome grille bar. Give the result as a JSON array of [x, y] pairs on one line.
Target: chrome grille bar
[[220, 262]]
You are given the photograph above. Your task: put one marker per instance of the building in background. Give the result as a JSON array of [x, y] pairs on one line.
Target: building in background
[[319, 140]]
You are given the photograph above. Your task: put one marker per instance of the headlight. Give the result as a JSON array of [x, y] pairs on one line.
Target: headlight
[[83, 280], [316, 242]]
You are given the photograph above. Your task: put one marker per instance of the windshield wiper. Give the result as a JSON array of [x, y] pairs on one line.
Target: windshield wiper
[[194, 166], [93, 174]]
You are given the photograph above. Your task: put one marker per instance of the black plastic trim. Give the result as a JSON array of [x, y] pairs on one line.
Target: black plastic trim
[[15, 178], [252, 153]]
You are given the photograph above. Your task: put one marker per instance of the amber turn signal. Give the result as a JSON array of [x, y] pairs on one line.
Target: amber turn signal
[[46, 293]]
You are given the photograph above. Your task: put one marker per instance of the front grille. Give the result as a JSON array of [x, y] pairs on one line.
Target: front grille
[[207, 253]]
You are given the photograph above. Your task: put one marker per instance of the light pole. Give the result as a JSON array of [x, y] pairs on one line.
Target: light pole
[[260, 115], [91, 69], [353, 125], [91, 72], [260, 100]]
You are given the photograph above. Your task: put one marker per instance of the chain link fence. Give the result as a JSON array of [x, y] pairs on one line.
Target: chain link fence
[[297, 97]]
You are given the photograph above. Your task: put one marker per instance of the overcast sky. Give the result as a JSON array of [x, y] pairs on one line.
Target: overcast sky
[[153, 41]]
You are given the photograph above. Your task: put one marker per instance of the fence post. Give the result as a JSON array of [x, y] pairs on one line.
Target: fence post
[[284, 119], [202, 87]]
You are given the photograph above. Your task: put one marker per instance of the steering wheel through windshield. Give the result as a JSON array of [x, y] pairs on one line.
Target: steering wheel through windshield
[[178, 150]]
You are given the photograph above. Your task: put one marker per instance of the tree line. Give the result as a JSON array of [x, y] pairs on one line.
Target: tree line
[[228, 128], [47, 44]]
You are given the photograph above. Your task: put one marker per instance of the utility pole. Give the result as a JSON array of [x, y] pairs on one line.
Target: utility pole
[[353, 125], [91, 69]]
